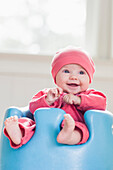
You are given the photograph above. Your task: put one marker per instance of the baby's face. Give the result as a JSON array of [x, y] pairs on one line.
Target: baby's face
[[72, 78]]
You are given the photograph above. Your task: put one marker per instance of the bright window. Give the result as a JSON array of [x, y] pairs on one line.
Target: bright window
[[41, 26]]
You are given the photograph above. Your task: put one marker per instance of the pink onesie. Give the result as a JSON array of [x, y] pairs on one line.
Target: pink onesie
[[90, 99]]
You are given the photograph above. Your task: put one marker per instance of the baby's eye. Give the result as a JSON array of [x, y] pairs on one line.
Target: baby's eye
[[66, 71], [81, 72]]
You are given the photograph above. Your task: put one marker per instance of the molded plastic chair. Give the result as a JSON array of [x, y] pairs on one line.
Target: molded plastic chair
[[43, 152]]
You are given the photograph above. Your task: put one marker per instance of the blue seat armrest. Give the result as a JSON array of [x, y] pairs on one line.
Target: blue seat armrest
[[20, 112], [100, 125]]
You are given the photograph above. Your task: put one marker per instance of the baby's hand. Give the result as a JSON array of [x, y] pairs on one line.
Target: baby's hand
[[53, 94], [72, 99]]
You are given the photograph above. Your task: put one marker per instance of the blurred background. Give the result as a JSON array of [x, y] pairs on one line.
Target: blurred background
[[31, 31]]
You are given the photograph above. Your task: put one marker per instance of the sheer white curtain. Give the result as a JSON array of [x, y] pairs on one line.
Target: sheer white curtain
[[99, 28]]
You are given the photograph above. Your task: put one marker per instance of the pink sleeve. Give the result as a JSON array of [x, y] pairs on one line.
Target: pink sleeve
[[92, 100], [38, 101], [84, 131]]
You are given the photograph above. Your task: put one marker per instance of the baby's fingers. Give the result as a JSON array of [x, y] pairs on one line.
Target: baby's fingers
[[68, 99], [55, 92], [59, 90]]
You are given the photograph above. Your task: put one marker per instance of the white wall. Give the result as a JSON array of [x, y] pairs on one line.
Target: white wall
[[21, 76]]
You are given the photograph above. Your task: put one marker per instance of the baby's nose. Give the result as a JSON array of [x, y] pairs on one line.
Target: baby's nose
[[73, 77]]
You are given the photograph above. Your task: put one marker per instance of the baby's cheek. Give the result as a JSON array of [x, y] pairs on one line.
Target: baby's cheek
[[60, 83]]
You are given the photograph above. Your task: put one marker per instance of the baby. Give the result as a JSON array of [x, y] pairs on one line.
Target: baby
[[72, 71]]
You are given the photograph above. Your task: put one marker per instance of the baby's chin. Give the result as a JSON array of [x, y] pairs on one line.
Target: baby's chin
[[72, 92]]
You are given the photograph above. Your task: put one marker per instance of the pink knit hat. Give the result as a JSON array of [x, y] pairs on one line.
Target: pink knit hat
[[72, 56]]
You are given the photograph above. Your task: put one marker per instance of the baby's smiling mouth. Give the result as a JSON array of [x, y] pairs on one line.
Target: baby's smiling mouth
[[72, 84]]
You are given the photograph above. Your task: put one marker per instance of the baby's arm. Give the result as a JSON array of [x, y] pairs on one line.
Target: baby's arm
[[53, 94], [72, 99], [44, 98], [92, 99]]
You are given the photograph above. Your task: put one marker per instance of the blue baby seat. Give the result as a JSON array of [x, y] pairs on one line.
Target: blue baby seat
[[43, 152]]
